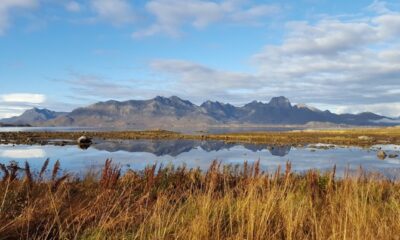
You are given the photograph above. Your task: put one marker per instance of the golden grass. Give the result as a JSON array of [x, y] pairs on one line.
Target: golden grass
[[177, 203], [388, 135]]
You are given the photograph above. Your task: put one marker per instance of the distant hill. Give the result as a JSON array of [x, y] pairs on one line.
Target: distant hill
[[159, 112], [32, 116], [162, 112]]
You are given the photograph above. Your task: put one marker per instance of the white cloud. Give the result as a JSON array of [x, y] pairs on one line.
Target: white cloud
[[388, 26], [116, 12], [171, 15], [349, 65], [6, 8], [7, 111], [378, 6], [386, 109], [253, 13], [23, 98], [14, 104], [199, 82], [346, 62], [73, 6], [91, 88]]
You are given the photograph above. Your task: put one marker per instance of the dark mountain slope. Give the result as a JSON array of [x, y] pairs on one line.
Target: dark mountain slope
[[162, 112]]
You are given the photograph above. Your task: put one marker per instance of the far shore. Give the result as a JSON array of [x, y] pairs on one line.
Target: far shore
[[352, 137]]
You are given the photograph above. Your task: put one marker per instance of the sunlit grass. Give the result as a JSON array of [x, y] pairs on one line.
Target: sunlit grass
[[178, 203], [355, 137]]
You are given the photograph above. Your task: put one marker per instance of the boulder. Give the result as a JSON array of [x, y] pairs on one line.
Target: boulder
[[83, 140]]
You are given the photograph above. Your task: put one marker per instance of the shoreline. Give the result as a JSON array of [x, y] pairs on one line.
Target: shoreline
[[363, 137]]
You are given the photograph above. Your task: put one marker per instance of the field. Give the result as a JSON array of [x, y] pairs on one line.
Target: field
[[227, 202]]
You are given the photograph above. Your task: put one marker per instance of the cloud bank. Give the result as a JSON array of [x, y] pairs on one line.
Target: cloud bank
[[350, 64]]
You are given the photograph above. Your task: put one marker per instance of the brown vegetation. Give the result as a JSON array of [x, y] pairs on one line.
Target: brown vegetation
[[222, 203], [355, 137]]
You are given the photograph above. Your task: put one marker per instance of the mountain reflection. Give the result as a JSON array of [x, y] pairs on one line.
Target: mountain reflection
[[176, 147]]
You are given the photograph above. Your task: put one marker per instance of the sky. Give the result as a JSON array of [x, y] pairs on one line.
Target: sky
[[339, 55]]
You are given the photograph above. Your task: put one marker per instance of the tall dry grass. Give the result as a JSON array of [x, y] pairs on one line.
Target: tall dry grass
[[225, 202]]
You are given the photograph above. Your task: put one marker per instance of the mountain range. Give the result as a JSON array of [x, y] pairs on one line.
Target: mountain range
[[173, 112]]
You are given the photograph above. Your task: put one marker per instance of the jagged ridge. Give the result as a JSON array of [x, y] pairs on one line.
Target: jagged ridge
[[162, 112]]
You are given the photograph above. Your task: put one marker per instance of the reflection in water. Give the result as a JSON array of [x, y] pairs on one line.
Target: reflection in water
[[177, 147], [199, 154], [23, 153], [280, 151]]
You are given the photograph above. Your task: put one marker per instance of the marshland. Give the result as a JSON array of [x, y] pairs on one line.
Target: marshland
[[325, 184]]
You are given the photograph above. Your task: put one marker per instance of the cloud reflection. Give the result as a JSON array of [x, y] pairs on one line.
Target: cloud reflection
[[23, 153]]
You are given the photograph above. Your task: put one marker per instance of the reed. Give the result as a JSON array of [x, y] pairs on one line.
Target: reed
[[224, 202]]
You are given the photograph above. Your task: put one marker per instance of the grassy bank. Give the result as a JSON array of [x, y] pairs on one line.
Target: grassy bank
[[222, 203], [355, 137]]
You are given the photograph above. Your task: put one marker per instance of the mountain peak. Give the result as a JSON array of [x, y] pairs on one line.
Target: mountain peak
[[160, 99], [36, 110], [305, 106], [173, 101], [280, 102], [33, 115], [210, 103], [176, 98]]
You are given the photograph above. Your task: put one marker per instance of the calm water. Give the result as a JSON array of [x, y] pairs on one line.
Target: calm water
[[141, 153]]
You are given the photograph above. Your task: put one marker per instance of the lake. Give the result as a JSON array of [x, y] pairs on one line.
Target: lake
[[137, 154]]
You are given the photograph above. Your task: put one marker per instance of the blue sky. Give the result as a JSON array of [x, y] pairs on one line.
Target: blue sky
[[338, 55]]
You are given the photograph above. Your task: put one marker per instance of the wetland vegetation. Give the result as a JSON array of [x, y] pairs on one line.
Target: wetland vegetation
[[353, 137], [225, 201], [229, 202]]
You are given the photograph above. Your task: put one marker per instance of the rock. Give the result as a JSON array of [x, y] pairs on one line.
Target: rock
[[84, 140], [393, 155], [366, 138], [381, 154]]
